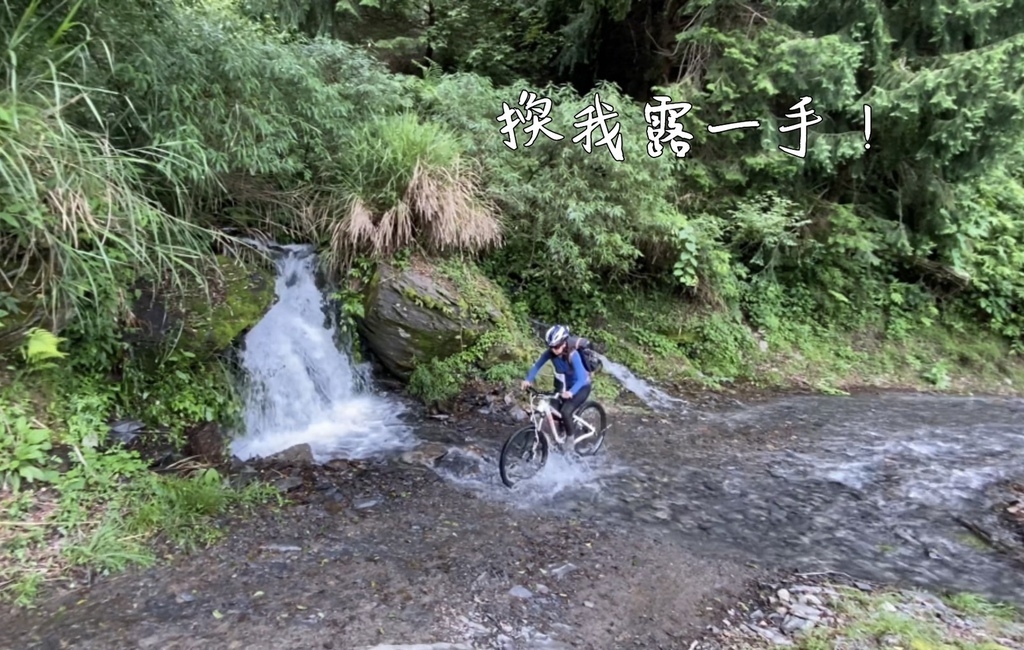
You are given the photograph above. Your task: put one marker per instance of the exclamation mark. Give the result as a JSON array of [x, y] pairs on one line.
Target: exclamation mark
[[867, 126]]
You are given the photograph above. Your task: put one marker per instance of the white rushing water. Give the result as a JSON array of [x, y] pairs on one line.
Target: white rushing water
[[301, 387], [650, 395]]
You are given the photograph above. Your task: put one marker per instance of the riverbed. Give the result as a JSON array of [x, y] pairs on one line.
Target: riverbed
[[642, 547]]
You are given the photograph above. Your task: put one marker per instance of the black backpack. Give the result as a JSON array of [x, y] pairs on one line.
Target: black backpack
[[587, 353]]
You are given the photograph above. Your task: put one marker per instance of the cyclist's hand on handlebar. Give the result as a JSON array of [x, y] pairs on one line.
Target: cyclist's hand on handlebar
[[526, 384]]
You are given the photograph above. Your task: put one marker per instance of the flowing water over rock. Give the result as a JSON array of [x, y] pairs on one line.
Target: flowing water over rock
[[301, 388], [874, 486]]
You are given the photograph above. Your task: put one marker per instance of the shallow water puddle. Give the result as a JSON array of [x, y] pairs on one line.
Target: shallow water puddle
[[873, 486]]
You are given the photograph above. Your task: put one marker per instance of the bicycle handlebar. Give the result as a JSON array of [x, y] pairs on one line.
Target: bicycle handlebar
[[534, 391]]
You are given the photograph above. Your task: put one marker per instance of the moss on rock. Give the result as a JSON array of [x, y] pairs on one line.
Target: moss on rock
[[412, 316], [203, 322], [240, 298], [438, 323]]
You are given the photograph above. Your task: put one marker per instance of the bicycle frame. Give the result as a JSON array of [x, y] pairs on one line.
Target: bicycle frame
[[542, 411]]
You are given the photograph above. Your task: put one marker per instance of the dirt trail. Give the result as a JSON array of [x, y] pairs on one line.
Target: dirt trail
[[394, 554]]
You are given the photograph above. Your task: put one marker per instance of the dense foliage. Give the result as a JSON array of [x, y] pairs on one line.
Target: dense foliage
[[258, 112]]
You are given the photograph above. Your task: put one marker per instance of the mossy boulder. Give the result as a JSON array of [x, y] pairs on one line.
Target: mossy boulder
[[427, 310], [204, 323]]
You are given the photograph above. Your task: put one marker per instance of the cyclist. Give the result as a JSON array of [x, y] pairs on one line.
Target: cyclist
[[569, 371]]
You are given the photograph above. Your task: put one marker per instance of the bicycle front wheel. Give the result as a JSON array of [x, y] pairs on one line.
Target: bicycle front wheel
[[527, 445]]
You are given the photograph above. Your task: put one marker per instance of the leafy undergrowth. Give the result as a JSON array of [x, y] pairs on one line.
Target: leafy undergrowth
[[916, 621], [666, 341], [77, 504]]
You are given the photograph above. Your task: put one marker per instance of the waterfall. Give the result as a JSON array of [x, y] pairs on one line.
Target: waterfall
[[300, 388]]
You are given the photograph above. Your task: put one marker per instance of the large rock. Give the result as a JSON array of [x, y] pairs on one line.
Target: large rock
[[416, 314], [206, 324]]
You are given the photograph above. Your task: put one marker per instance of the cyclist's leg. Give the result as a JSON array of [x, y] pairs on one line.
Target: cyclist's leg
[[556, 402], [568, 406]]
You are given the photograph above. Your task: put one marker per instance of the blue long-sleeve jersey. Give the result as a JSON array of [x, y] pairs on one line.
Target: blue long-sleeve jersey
[[572, 374]]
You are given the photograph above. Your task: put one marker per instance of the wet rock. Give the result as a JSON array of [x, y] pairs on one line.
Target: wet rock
[[770, 634], [240, 294], [243, 475], [805, 612], [126, 431], [364, 504], [811, 599], [428, 454], [795, 624], [464, 462], [294, 455], [416, 314], [518, 414], [288, 483]]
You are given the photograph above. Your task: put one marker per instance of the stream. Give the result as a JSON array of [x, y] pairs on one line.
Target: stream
[[869, 485]]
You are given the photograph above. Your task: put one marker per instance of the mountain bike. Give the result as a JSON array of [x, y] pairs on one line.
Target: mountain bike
[[533, 441]]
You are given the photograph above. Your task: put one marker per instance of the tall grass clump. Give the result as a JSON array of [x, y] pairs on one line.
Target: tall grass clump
[[75, 224], [407, 182]]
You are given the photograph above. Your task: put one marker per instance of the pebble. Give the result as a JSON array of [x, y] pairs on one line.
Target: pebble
[[564, 570], [794, 624], [805, 612], [770, 634], [288, 484], [520, 592]]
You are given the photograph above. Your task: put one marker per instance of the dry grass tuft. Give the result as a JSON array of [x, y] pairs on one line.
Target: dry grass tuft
[[439, 212]]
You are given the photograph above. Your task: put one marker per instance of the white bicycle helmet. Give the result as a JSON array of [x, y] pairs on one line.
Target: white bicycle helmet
[[556, 334]]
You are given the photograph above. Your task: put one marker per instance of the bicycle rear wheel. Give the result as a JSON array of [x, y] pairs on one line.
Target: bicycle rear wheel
[[526, 444], [585, 442]]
